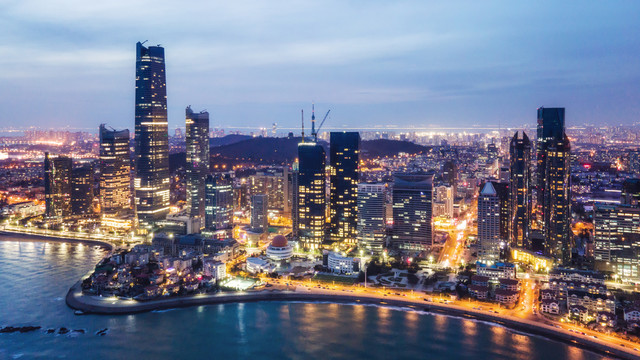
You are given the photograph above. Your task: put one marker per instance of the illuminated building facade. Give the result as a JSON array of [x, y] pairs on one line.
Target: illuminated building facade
[[371, 217], [617, 239], [57, 185], [276, 184], [554, 182], [152, 181], [115, 171], [311, 196], [520, 190], [259, 213], [489, 237], [344, 159], [82, 191], [412, 212], [197, 167], [218, 202]]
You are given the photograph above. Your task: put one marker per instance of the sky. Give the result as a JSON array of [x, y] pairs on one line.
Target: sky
[[421, 64]]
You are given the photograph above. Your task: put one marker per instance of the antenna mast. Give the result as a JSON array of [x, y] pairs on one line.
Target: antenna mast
[[302, 125]]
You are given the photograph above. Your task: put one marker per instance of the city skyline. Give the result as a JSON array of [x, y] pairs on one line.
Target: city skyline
[[421, 65]]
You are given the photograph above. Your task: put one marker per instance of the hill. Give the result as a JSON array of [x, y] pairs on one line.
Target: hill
[[282, 151]]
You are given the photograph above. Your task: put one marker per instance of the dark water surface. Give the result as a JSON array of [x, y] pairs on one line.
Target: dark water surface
[[35, 276]]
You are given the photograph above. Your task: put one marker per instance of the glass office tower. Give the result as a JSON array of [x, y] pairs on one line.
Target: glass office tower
[[197, 142], [343, 190], [152, 181], [115, 171]]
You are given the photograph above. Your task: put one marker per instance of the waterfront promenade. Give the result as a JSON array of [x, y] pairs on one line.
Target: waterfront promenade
[[12, 234], [112, 305]]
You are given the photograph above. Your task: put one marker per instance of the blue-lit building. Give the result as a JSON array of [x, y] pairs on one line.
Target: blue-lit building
[[218, 202]]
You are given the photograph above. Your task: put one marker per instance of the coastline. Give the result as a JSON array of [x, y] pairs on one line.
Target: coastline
[[110, 306], [20, 236]]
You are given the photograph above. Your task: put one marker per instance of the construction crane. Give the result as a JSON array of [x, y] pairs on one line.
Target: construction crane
[[321, 123]]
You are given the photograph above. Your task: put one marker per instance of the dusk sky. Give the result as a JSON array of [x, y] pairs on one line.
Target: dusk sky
[[423, 64]]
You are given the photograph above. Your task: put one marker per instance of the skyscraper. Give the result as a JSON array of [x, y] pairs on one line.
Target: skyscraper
[[115, 171], [553, 182], [57, 185], [617, 239], [259, 213], [311, 195], [371, 217], [412, 212], [520, 189], [218, 202], [489, 224], [152, 136], [82, 190], [197, 169], [343, 192]]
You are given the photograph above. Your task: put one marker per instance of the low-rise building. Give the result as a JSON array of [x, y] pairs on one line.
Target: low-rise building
[[255, 265], [497, 270], [479, 292], [509, 284], [479, 280], [339, 264], [550, 306], [632, 313], [579, 313], [594, 303], [507, 297], [548, 294], [607, 319]]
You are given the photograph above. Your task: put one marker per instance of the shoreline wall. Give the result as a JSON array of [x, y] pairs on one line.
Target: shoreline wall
[[19, 236]]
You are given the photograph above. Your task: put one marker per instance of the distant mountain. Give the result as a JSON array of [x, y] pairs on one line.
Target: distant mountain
[[259, 150], [227, 140], [381, 147], [268, 151]]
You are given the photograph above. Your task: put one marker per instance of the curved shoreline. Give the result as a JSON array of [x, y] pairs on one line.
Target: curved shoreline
[[106, 306], [19, 236], [103, 306]]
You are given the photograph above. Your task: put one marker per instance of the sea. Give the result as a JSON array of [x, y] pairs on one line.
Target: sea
[[35, 277]]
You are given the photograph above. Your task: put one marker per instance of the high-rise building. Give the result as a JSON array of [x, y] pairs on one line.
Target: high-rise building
[[343, 192], [115, 171], [259, 213], [218, 202], [634, 162], [489, 237], [152, 181], [520, 189], [57, 185], [276, 184], [450, 175], [371, 217], [412, 212], [631, 192], [617, 240], [197, 169], [443, 201], [311, 196], [82, 190], [554, 182]]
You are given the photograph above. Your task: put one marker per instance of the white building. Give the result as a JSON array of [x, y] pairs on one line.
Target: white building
[[336, 263], [496, 271], [279, 249], [255, 265], [216, 269]]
